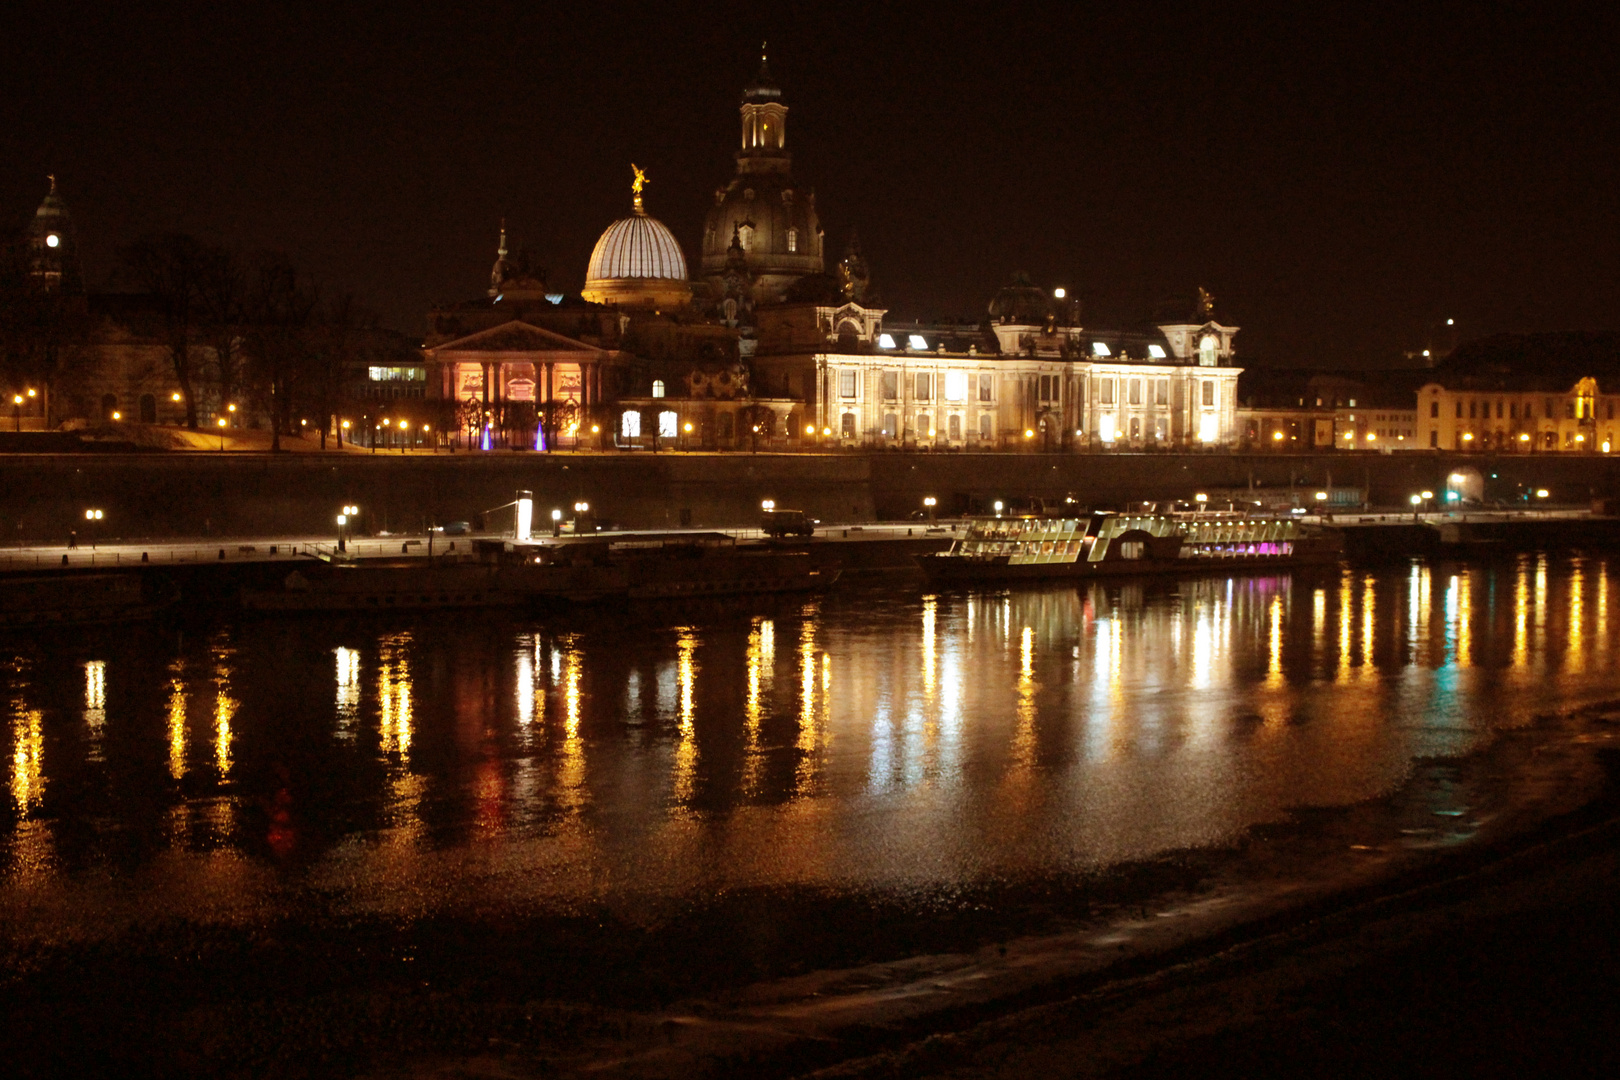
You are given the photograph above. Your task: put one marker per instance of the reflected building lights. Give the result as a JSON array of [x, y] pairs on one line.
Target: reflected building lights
[[686, 740], [1368, 605], [177, 720], [225, 707], [1521, 616], [1346, 604], [1274, 669], [930, 656], [1575, 653], [761, 664], [27, 758], [395, 724], [348, 690], [571, 769], [1023, 756], [524, 688]]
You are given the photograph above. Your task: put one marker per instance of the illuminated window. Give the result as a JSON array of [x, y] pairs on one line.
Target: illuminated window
[[1156, 351], [1105, 427], [793, 239], [955, 428], [985, 385], [1099, 349], [916, 341], [1209, 393], [885, 341], [668, 425], [630, 424], [956, 386], [847, 425], [986, 426], [846, 384], [891, 425], [1206, 351], [925, 428], [658, 388], [925, 386]]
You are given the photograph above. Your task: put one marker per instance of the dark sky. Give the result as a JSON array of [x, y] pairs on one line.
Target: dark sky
[[1340, 177]]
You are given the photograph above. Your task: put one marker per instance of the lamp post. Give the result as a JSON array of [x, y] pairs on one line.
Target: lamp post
[[404, 426], [930, 502], [16, 411], [221, 423], [1417, 503], [556, 523]]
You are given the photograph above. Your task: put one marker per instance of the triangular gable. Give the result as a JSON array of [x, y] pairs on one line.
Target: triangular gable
[[516, 336]]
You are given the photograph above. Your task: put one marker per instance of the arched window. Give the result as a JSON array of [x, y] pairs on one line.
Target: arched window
[[793, 239], [630, 424], [1206, 351], [658, 388]]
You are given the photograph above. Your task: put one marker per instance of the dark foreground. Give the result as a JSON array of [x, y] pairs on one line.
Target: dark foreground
[[1361, 953]]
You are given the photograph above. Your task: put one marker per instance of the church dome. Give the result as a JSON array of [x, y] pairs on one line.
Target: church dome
[[637, 261]]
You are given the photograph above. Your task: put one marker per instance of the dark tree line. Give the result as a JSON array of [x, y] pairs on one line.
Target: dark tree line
[[45, 333], [255, 330]]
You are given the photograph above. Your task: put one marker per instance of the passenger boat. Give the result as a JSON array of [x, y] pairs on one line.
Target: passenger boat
[[516, 573], [1020, 548]]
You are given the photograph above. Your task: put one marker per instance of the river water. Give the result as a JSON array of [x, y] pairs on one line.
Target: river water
[[884, 740]]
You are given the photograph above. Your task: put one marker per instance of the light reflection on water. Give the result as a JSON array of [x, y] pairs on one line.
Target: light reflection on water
[[893, 739]]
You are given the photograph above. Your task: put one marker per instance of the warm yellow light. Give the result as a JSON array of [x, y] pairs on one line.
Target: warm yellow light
[[1201, 497], [386, 422], [1277, 435], [16, 399], [688, 426], [31, 392], [231, 407], [1372, 436], [342, 519], [221, 421], [1060, 292], [117, 415], [1428, 495], [1349, 434], [1029, 433], [767, 504], [1416, 499], [595, 429], [1321, 496], [824, 431], [1541, 493], [1468, 436], [1524, 438], [403, 424], [175, 396], [427, 427], [809, 429], [929, 501], [345, 425], [1605, 446], [1580, 438]]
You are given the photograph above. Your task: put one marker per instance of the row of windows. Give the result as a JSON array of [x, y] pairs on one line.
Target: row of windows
[[1574, 409], [960, 386]]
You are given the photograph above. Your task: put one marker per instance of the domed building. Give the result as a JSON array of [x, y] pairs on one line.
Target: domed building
[[772, 219], [637, 262]]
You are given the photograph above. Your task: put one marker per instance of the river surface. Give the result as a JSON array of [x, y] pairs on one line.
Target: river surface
[[882, 740]]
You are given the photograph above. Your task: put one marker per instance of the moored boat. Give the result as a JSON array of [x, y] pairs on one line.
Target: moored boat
[[1027, 548]]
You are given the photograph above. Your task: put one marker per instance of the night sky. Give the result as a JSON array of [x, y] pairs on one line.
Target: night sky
[[1341, 181]]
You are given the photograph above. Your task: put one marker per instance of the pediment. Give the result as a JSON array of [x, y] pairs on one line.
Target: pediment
[[516, 336]]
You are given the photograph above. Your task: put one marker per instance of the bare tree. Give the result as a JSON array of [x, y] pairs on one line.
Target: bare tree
[[337, 343], [170, 267], [221, 310], [280, 306]]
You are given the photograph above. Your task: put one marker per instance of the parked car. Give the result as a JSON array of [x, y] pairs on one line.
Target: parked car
[[457, 528]]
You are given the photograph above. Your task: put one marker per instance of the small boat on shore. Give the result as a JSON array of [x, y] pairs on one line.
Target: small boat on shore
[[519, 573], [1104, 544]]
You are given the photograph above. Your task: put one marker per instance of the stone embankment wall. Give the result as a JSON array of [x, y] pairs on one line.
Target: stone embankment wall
[[157, 495]]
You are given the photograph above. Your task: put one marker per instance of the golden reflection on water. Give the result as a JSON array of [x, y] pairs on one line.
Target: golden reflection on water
[[1023, 747], [394, 720], [930, 655], [1274, 645], [761, 666], [686, 753], [810, 710], [225, 705], [1318, 627], [1575, 654], [1368, 605], [27, 757], [95, 703], [348, 690], [1346, 602], [571, 769], [1521, 616], [177, 719]]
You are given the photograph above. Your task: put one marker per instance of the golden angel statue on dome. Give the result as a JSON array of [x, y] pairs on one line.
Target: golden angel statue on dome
[[640, 180]]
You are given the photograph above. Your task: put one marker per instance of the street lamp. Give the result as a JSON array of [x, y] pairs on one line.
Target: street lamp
[[556, 523], [767, 505], [1541, 493], [929, 501], [404, 426], [16, 410], [221, 423], [1200, 498], [999, 507], [1417, 502]]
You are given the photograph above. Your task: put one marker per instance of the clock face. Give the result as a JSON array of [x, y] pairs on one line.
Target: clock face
[[52, 240]]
